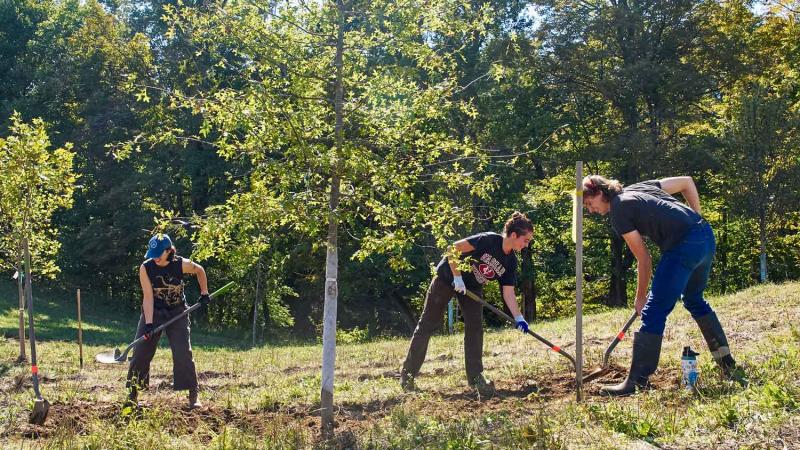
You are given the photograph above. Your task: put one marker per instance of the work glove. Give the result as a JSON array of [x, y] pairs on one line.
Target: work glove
[[522, 324], [148, 331], [458, 284], [205, 299]]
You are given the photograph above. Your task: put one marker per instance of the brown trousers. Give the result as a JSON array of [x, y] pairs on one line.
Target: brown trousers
[[439, 294], [184, 374]]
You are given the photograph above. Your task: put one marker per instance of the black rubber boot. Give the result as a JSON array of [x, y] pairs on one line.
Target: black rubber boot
[[133, 395], [646, 352], [718, 345]]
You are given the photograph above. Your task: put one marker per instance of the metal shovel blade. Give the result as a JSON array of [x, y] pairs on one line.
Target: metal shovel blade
[[110, 357], [39, 412], [597, 373]]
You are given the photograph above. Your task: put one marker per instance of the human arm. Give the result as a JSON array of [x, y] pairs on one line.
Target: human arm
[[644, 267], [193, 268], [510, 298], [147, 295], [459, 248], [685, 185]]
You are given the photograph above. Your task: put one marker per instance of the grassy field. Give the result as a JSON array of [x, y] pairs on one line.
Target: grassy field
[[268, 397]]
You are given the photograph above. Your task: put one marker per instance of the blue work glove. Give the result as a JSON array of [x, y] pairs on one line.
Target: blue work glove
[[458, 284], [148, 331], [522, 325], [204, 299]]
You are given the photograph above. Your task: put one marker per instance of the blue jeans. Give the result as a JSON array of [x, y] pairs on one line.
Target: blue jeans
[[682, 271]]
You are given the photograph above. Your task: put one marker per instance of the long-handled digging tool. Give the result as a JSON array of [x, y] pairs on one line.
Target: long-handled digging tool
[[508, 319], [117, 357], [604, 369], [40, 405]]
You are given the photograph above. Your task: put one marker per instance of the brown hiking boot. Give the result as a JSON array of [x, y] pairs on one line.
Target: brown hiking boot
[[407, 381], [484, 386], [193, 402]]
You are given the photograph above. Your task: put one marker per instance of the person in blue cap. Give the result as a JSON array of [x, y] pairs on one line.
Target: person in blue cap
[[161, 277]]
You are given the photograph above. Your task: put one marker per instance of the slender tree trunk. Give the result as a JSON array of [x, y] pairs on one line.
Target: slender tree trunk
[[332, 258], [22, 357], [762, 232], [618, 294], [528, 287], [723, 253], [256, 300]]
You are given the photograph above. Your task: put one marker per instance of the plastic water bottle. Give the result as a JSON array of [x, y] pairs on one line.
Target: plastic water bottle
[[689, 366]]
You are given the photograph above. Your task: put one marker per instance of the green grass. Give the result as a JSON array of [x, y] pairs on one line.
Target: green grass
[[268, 397]]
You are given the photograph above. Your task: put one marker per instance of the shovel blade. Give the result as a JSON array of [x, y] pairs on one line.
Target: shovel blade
[[595, 374], [39, 413], [110, 357]]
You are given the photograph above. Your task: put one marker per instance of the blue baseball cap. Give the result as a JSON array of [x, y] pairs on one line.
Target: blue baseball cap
[[157, 245]]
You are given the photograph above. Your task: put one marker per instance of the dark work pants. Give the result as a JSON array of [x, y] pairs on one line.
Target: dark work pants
[[184, 375], [439, 294]]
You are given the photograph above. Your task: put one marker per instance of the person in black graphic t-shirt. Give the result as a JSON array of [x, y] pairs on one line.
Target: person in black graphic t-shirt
[[489, 256], [161, 277], [687, 245]]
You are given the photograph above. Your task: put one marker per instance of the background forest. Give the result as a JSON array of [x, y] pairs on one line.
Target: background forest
[[235, 126]]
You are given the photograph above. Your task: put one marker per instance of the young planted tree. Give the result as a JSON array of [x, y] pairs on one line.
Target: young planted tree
[[760, 135], [36, 182]]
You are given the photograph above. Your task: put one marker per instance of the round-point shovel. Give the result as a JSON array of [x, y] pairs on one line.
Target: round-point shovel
[[117, 357], [40, 405], [597, 373]]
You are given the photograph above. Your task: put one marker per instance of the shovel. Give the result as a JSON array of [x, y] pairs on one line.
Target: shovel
[[117, 357], [508, 319], [40, 405], [604, 369]]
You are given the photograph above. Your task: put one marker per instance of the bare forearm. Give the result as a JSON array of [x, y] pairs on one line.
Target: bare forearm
[[692, 198], [644, 271], [202, 280], [454, 268], [510, 298], [147, 309]]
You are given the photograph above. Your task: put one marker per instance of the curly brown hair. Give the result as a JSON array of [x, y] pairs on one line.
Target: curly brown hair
[[596, 184]]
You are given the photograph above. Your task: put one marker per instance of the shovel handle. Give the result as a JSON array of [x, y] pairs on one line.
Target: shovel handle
[[618, 338], [508, 319], [188, 311]]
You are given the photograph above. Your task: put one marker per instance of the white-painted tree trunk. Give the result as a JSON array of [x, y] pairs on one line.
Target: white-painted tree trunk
[[332, 257]]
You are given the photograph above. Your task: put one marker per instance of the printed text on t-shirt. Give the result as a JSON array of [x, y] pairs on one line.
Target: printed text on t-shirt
[[489, 268]]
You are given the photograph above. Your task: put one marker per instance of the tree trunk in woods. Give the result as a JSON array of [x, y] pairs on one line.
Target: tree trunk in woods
[[762, 234], [528, 285], [618, 294]]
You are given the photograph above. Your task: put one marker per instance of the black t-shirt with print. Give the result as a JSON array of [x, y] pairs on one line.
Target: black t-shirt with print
[[167, 282], [488, 262], [654, 213]]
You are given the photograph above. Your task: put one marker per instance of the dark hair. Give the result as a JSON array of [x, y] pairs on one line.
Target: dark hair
[[518, 223], [596, 184]]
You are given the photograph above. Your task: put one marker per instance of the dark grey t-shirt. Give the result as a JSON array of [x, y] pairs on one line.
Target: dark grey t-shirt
[[488, 262], [653, 213]]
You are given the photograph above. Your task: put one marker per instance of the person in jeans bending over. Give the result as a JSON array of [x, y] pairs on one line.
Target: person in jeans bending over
[[489, 256], [686, 241]]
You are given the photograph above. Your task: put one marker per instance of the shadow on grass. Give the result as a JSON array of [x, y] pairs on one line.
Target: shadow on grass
[[103, 324]]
